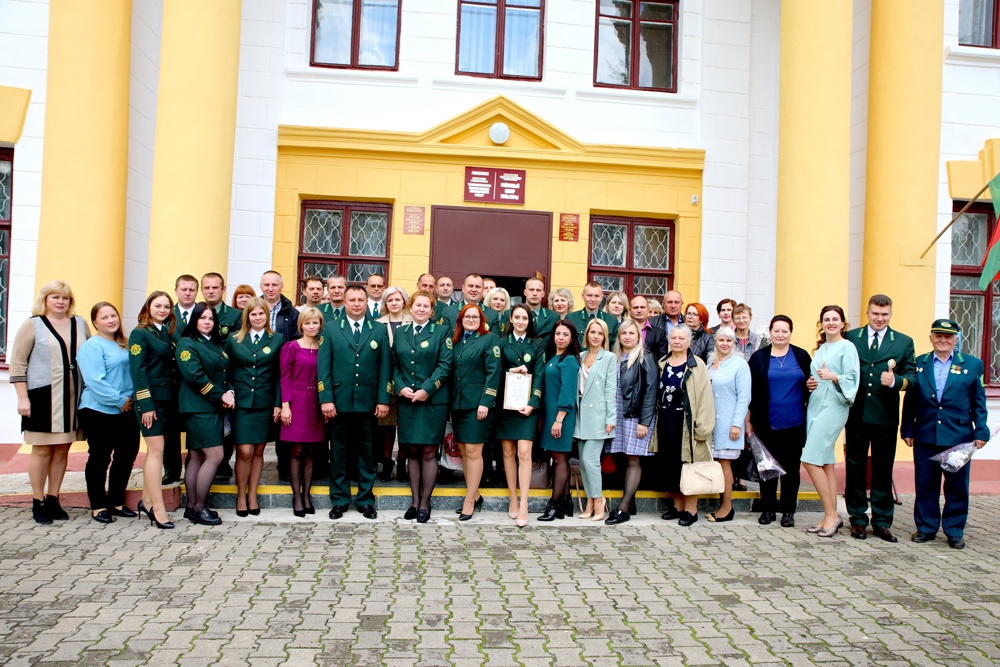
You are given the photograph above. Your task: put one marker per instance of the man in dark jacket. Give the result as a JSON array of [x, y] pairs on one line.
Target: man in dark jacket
[[284, 320]]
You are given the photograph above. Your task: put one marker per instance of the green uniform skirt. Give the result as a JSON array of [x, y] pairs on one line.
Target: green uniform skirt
[[204, 429], [253, 427], [420, 423], [160, 424], [470, 430], [512, 425]]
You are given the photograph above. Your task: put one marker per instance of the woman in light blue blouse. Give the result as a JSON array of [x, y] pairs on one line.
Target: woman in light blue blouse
[[731, 388], [106, 414]]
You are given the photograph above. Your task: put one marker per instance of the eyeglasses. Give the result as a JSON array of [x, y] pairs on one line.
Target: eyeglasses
[[471, 317]]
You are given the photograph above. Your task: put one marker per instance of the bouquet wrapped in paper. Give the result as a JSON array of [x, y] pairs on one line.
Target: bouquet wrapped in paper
[[767, 465], [955, 458]]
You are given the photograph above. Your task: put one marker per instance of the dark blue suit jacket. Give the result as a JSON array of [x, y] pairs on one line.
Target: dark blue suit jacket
[[961, 414]]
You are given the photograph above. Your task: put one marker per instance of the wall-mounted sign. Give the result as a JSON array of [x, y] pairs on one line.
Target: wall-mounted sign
[[413, 219], [569, 227], [497, 186]]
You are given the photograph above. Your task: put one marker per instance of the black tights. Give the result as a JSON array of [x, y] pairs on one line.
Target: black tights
[[423, 474], [301, 474], [199, 474], [560, 478], [632, 477]]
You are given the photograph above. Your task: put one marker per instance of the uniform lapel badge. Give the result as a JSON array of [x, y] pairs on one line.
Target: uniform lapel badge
[[527, 357], [956, 369], [266, 350], [185, 355], [424, 344], [496, 351], [447, 341], [224, 331], [374, 345], [135, 350]]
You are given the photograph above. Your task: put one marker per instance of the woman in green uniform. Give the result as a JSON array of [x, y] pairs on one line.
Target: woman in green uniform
[[153, 368], [253, 374], [473, 387], [562, 370], [204, 394], [521, 351], [421, 362]]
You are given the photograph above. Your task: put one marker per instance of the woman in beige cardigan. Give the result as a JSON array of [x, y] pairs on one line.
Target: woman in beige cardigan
[[686, 418]]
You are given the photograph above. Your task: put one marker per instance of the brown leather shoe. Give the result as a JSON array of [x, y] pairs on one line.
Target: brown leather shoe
[[884, 533], [858, 531]]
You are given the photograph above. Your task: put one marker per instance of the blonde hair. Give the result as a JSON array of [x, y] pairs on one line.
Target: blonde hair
[[566, 294], [621, 296], [59, 287], [604, 329], [389, 291], [253, 304], [497, 290], [310, 313], [721, 332], [638, 351]]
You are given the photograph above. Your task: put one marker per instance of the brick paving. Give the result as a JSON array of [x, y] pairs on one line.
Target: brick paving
[[274, 590]]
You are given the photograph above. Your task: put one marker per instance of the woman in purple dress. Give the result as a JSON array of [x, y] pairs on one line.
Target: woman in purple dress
[[301, 419]]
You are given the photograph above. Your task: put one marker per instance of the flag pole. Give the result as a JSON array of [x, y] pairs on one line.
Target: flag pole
[[957, 216]]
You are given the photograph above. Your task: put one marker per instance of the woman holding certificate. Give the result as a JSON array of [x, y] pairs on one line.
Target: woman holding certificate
[[473, 387], [562, 371], [523, 355]]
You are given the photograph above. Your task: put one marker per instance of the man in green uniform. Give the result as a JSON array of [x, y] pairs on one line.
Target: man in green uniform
[[335, 287], [186, 291], [593, 294], [545, 319], [887, 368], [375, 285], [472, 292], [354, 374], [213, 288]]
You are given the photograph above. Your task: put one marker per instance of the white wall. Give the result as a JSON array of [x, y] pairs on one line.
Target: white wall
[[24, 29], [147, 22]]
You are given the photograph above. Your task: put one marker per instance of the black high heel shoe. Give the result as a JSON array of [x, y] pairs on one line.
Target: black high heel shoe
[[553, 511], [140, 508], [166, 525], [477, 505], [243, 513], [567, 506], [254, 511], [307, 504]]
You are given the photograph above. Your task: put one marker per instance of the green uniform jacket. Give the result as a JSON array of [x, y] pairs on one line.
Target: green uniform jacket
[[254, 370], [580, 319], [355, 377], [451, 316], [203, 366], [545, 324], [152, 366], [475, 376], [331, 314], [875, 404], [230, 320], [179, 325], [530, 353], [422, 361], [440, 307]]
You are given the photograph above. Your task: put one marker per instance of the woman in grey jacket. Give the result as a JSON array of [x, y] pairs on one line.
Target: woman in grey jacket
[[596, 412]]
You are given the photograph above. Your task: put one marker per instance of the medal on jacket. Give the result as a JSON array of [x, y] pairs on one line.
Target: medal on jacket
[[374, 345], [526, 357], [424, 344], [266, 350], [891, 364]]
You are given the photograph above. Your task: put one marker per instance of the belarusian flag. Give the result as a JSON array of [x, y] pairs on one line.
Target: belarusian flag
[[991, 262]]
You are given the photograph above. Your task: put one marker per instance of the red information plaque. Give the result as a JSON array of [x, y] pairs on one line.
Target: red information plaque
[[498, 186], [413, 219], [569, 227]]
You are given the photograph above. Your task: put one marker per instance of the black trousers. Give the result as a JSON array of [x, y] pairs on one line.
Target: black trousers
[[882, 440], [785, 445], [109, 435]]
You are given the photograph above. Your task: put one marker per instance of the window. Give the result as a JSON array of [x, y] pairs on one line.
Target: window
[[357, 34], [977, 312], [636, 44], [632, 255], [500, 38], [6, 205], [345, 239], [979, 23]]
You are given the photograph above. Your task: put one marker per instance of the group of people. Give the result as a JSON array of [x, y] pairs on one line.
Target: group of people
[[356, 369]]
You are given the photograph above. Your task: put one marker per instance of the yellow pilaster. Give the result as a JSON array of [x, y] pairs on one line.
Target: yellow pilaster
[[904, 138], [81, 236], [195, 137], [813, 162]]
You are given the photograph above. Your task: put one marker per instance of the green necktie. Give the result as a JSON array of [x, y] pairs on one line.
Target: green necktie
[[184, 316], [357, 332], [875, 342]]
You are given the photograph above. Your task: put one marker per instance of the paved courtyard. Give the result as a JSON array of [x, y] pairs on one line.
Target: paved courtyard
[[276, 590]]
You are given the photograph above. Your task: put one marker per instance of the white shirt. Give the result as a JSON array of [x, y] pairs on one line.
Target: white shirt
[[881, 342], [354, 324], [371, 307], [184, 314]]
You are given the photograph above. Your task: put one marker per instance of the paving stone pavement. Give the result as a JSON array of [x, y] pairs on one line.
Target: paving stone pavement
[[274, 590]]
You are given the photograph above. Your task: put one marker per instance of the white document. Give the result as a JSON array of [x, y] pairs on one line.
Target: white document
[[517, 391]]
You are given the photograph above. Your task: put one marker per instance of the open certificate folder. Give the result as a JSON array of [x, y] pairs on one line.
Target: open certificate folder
[[517, 391]]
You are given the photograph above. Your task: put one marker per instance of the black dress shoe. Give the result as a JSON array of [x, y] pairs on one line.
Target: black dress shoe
[[787, 520], [423, 516], [616, 517], [38, 512], [54, 509], [956, 543], [670, 514], [858, 531], [124, 511], [767, 518], [552, 512], [567, 506], [920, 538], [104, 516], [410, 514], [335, 512], [242, 513], [464, 517], [883, 532], [169, 479], [368, 512], [204, 518], [212, 513], [686, 518]]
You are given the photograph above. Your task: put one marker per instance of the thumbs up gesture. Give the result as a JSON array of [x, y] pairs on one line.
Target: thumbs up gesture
[[826, 374]]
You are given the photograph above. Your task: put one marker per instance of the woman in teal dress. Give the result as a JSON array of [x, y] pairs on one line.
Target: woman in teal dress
[[473, 385], [562, 371], [834, 383], [521, 351], [254, 374]]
